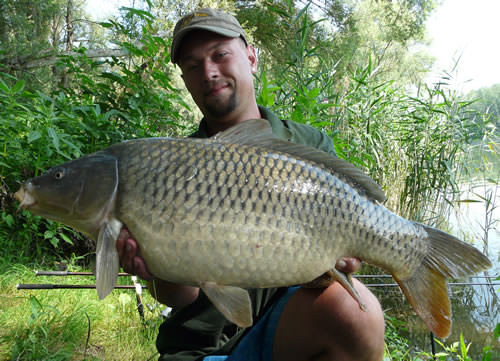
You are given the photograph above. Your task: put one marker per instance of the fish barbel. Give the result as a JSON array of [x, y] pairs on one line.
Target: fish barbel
[[246, 210]]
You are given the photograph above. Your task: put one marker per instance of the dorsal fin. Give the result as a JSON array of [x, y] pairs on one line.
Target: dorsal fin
[[249, 132], [258, 133]]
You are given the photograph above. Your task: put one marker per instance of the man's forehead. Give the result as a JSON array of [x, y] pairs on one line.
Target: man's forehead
[[212, 20]]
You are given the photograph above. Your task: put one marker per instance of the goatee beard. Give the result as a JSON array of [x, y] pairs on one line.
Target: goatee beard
[[220, 108]]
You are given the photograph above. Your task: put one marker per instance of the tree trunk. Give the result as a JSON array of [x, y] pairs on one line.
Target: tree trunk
[[68, 41]]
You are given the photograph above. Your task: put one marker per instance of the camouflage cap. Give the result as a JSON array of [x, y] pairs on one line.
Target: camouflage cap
[[216, 21]]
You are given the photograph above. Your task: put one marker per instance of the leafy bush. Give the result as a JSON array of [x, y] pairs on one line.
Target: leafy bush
[[107, 102]]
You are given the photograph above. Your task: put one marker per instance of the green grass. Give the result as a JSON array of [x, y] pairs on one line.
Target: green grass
[[55, 324], [75, 325]]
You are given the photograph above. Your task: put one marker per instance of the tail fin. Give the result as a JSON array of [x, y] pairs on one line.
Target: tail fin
[[427, 289]]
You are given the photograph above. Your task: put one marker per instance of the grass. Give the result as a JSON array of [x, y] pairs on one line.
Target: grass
[[72, 324]]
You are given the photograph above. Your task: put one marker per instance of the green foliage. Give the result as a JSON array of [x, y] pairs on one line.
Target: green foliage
[[488, 102], [32, 238], [38, 132], [34, 329], [304, 80], [342, 33], [36, 341], [107, 102], [340, 72], [134, 94], [33, 29], [72, 324], [458, 351], [413, 144], [398, 347]]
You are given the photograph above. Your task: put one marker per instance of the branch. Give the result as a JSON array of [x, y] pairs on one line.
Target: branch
[[25, 63]]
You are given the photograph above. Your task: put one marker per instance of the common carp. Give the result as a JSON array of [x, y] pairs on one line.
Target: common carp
[[246, 210]]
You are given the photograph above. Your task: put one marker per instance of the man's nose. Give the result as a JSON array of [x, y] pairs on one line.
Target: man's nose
[[210, 70]]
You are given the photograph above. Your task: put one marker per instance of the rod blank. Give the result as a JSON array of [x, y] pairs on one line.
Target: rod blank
[[68, 273], [449, 284], [51, 286]]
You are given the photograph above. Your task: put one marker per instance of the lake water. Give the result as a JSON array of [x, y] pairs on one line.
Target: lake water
[[476, 310]]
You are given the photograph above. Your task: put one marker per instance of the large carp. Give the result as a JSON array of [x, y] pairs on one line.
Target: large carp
[[246, 210]]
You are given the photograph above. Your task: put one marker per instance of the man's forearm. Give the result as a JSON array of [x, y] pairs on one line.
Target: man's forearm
[[172, 294]]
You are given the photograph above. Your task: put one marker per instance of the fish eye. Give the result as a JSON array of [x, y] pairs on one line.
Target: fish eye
[[58, 173]]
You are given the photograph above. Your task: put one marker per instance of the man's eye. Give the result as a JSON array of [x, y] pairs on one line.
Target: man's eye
[[221, 54], [191, 67]]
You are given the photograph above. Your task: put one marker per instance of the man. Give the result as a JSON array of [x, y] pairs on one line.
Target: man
[[217, 66]]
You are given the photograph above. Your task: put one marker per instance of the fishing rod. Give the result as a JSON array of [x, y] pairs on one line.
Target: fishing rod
[[68, 273], [53, 286], [389, 276], [450, 284], [124, 274]]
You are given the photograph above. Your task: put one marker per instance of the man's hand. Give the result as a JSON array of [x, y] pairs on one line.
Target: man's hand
[[130, 259]]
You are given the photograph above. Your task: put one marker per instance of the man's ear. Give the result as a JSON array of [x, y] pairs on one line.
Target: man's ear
[[252, 57]]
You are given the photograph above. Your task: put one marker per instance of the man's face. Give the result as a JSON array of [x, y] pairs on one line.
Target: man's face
[[218, 72]]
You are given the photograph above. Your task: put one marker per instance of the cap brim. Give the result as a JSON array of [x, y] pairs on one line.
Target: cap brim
[[182, 34]]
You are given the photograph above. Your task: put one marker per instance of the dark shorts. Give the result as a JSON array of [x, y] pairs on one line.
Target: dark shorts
[[257, 345]]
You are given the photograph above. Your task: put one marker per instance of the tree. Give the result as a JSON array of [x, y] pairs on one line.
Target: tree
[[31, 30], [347, 32], [488, 101]]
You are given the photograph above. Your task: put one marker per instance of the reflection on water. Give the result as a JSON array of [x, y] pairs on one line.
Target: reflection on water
[[475, 315], [476, 310], [468, 222]]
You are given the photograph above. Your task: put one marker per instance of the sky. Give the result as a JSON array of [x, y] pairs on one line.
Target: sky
[[458, 28], [101, 10], [469, 30]]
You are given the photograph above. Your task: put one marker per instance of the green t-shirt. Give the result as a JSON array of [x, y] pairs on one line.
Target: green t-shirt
[[288, 130], [199, 329]]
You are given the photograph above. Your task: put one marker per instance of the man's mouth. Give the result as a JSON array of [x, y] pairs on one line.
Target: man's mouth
[[216, 89]]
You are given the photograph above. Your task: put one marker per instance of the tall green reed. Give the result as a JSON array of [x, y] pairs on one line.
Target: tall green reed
[[413, 145], [415, 142]]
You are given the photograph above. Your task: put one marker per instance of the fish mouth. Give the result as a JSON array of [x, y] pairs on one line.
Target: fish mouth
[[25, 198]]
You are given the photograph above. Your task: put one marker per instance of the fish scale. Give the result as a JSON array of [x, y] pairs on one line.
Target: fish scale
[[222, 200], [291, 225], [243, 210]]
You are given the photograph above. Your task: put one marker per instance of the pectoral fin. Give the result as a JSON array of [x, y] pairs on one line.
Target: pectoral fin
[[107, 261], [345, 279], [233, 302]]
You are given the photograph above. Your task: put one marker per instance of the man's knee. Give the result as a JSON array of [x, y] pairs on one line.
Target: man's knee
[[330, 323], [353, 331]]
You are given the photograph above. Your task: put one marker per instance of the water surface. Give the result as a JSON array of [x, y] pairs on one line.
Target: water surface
[[476, 310]]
